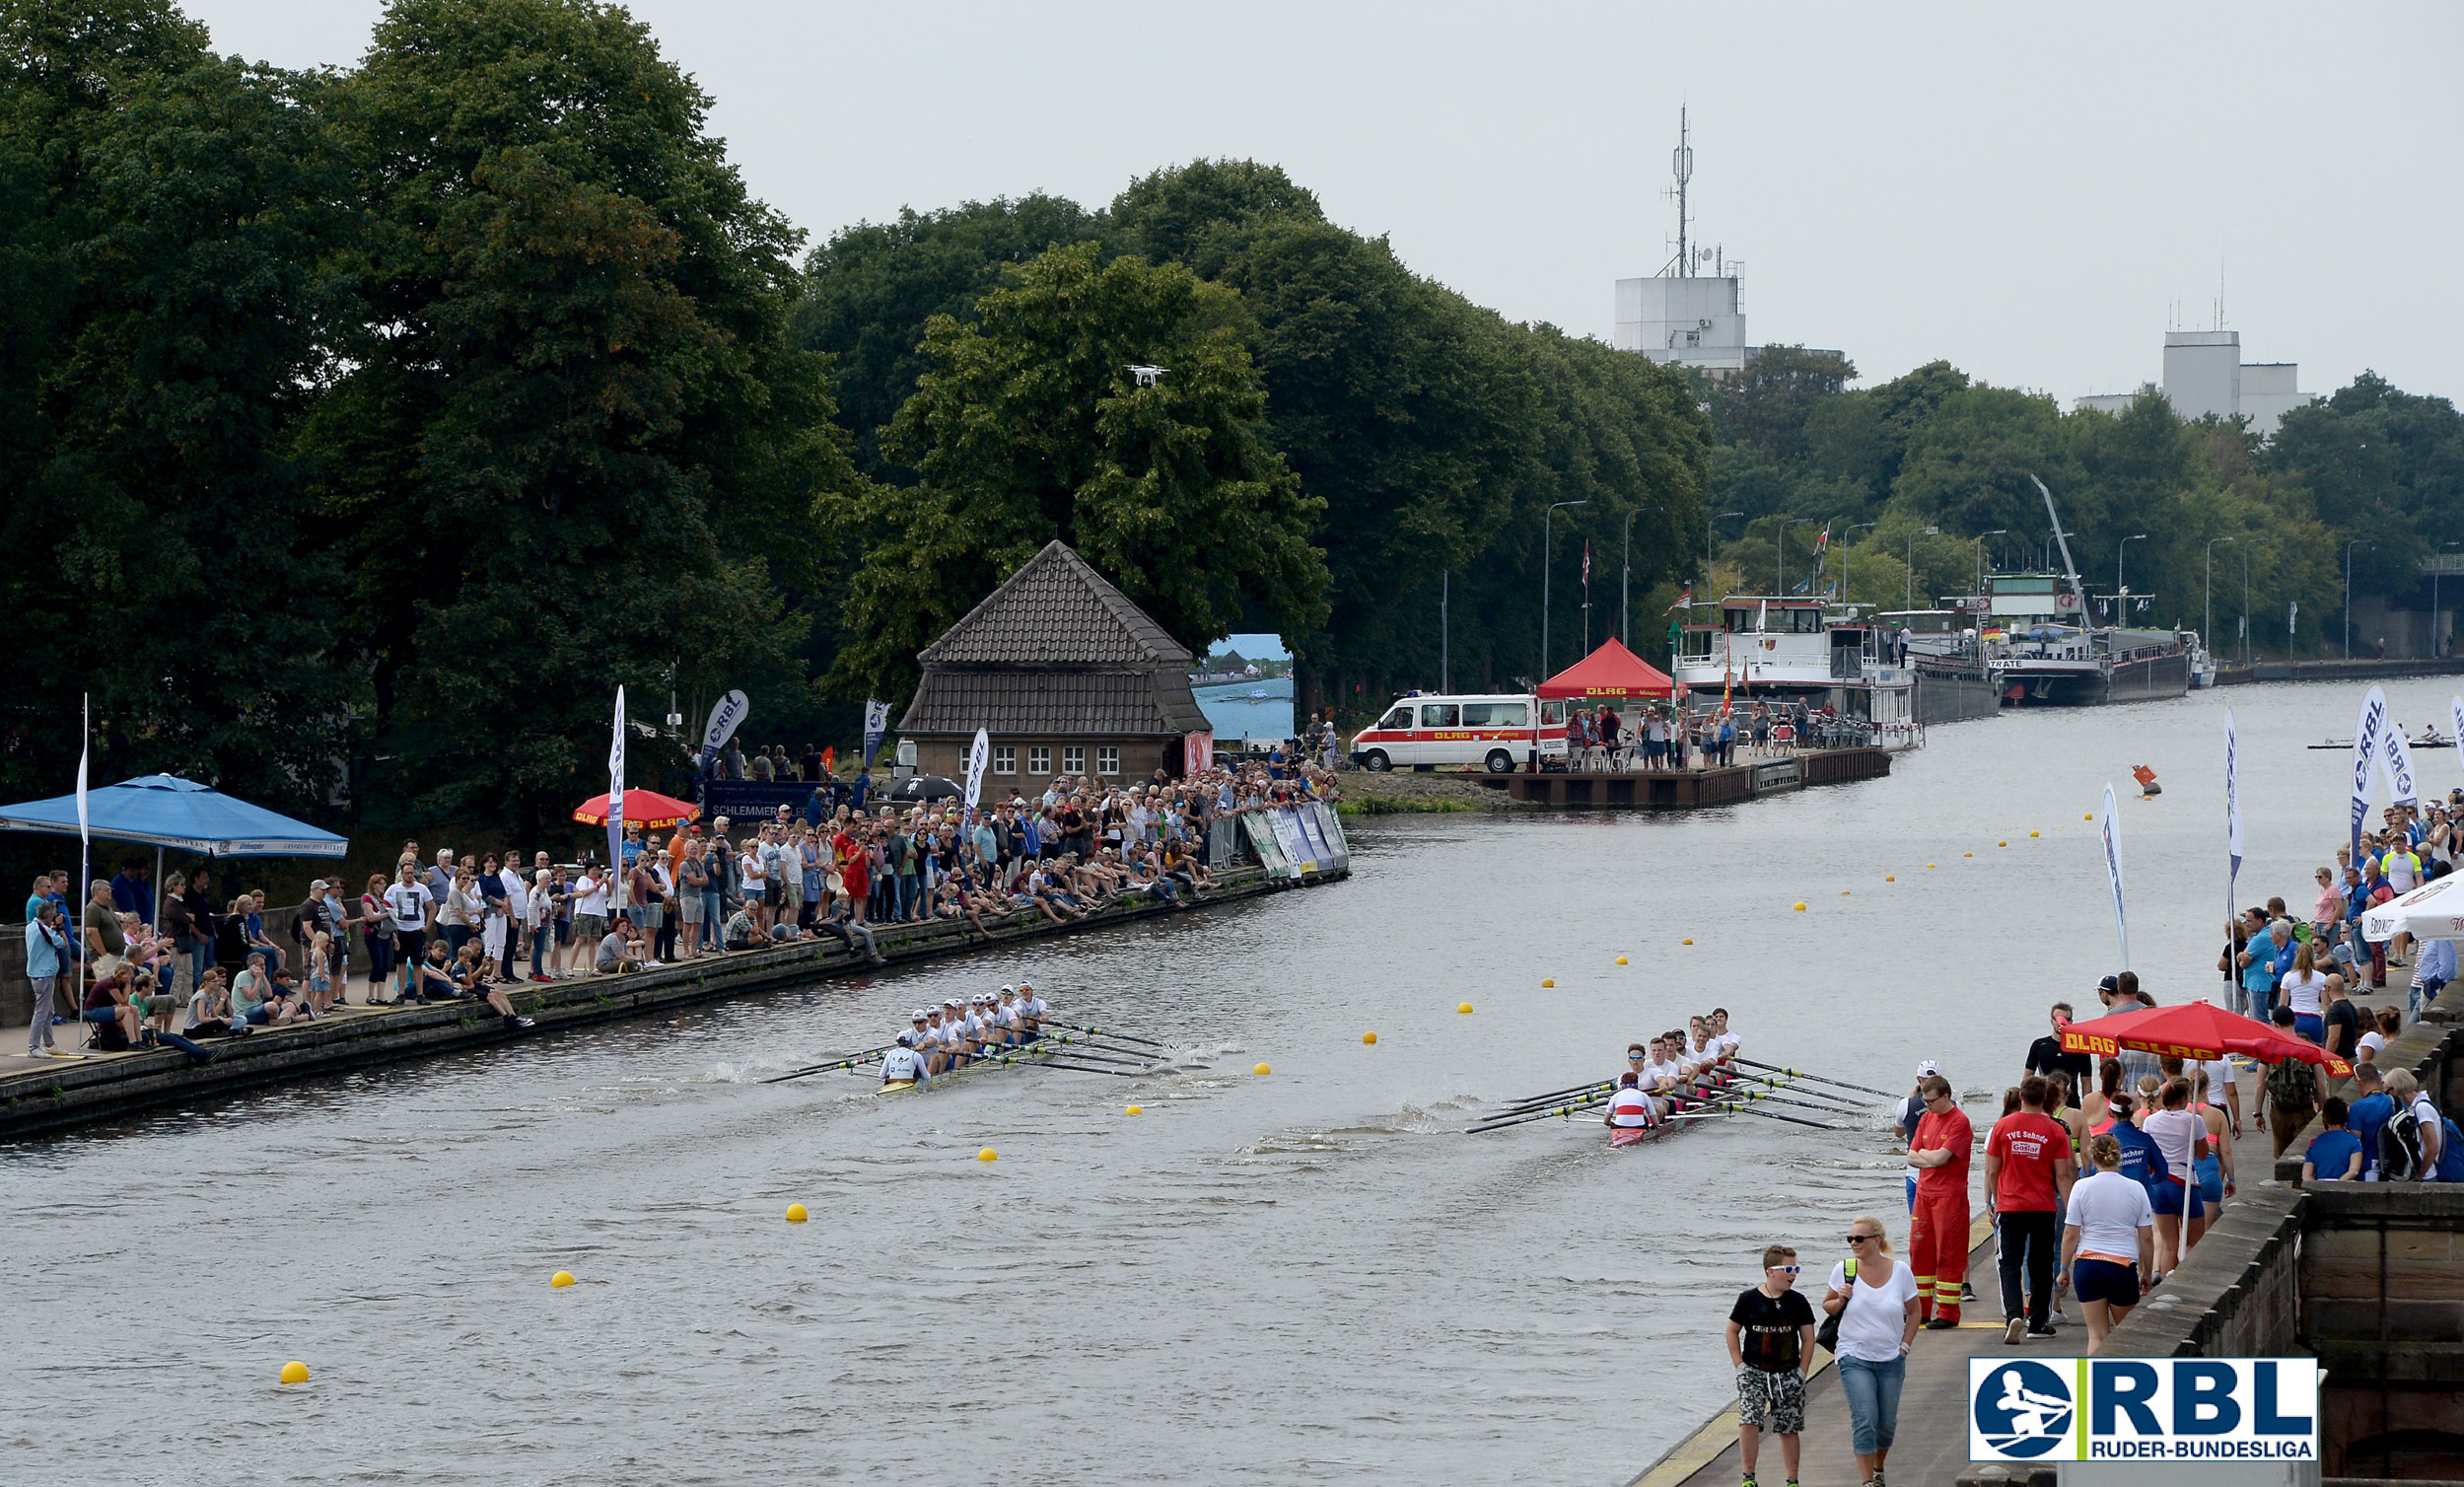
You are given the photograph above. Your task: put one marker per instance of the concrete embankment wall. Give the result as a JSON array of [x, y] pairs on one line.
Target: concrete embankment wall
[[68, 1093], [2339, 670]]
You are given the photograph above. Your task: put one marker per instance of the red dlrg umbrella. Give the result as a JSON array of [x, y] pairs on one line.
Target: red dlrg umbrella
[[647, 809], [2197, 1031]]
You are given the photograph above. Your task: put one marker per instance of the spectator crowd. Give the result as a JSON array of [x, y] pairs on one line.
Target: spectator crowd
[[450, 927]]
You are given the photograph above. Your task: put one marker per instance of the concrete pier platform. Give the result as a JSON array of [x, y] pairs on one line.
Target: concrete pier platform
[[1688, 788]]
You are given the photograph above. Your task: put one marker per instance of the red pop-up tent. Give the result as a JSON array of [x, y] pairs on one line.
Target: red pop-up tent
[[1611, 671]]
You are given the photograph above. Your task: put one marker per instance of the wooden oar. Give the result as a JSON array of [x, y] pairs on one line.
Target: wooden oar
[[1820, 1079], [866, 1057], [1054, 1063], [1108, 1033], [1816, 1100], [1546, 1097], [1682, 1098], [1776, 1115]]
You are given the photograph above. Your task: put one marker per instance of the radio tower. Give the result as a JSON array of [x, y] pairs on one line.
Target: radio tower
[[1681, 166]]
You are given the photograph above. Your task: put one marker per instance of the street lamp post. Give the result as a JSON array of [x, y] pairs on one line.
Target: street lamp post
[[2348, 547], [1625, 572], [2433, 601], [2207, 602], [1710, 525], [2121, 591], [2245, 612], [1847, 537], [1779, 549], [1547, 520], [1980, 576], [1910, 602]]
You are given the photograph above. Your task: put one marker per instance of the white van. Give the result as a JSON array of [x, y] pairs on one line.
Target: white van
[[1495, 731]]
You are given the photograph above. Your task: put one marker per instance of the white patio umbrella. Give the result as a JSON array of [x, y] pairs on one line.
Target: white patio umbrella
[[2432, 911]]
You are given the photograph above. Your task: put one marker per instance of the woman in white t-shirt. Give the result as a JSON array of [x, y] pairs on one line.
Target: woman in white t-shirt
[[2108, 1240], [1878, 1312], [2303, 987]]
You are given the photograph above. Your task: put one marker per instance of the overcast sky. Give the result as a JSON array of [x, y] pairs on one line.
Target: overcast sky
[[2036, 197]]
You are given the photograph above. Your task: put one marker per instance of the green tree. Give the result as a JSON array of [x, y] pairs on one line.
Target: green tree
[[1408, 413], [573, 443], [1766, 406], [1171, 214], [2382, 464], [871, 289], [161, 213], [1031, 426]]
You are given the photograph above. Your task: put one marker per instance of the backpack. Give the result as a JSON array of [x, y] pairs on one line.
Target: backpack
[[2291, 1086], [1827, 1335], [2399, 1146], [2450, 1150]]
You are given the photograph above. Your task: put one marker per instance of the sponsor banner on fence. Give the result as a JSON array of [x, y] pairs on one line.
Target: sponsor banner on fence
[[1286, 822], [2143, 1409]]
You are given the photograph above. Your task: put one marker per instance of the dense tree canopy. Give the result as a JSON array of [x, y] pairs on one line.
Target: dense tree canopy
[[360, 432]]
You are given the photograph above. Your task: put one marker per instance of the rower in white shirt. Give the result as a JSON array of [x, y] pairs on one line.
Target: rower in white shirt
[[1629, 1110], [1721, 1034], [902, 1066], [923, 1039], [1031, 1008]]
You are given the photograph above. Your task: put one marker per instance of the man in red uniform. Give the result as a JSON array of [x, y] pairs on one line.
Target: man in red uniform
[[2027, 1183], [1937, 1232]]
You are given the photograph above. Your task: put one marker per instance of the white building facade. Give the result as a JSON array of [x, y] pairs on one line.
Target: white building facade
[[2204, 374], [1692, 321]]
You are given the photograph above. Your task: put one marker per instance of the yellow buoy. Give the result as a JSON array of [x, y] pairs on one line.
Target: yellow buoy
[[1889, 878], [561, 1279], [796, 1213], [1844, 892], [1263, 1069], [1462, 1007], [295, 1372], [1800, 905], [1369, 1037], [988, 1155], [2032, 833], [1929, 863], [1136, 1109], [2089, 816], [1546, 983], [1621, 959], [2001, 844], [1689, 942], [1967, 853]]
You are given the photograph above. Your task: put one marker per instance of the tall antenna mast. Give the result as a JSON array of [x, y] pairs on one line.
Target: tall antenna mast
[[1681, 164]]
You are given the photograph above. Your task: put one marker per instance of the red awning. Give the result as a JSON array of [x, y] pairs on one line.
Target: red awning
[[1611, 671], [2194, 1030]]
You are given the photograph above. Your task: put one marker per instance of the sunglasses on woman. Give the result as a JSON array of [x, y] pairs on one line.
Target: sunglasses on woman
[[1860, 1238]]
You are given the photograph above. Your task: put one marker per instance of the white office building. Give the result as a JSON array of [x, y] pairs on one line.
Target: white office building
[[2204, 374]]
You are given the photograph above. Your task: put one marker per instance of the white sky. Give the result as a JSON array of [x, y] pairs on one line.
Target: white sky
[[2028, 194]]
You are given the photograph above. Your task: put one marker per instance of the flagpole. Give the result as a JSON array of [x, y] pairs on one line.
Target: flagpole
[[85, 851]]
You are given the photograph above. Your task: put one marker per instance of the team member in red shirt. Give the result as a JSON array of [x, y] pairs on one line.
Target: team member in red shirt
[[2027, 1183], [1937, 1231]]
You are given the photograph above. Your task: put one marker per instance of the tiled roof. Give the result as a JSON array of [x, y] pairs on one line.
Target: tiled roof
[[1031, 702], [1056, 611]]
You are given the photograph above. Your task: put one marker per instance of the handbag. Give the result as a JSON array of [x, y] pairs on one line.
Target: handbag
[[1827, 1335]]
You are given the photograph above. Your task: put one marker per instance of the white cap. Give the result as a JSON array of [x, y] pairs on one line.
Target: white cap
[[904, 1039], [951, 1002], [919, 1015], [1929, 1070], [1008, 991]]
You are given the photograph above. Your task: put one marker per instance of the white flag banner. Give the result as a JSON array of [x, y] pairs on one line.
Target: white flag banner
[[725, 716], [2365, 732], [85, 746], [2396, 759], [2112, 833], [616, 790], [876, 726], [2232, 810], [2455, 725], [979, 754]]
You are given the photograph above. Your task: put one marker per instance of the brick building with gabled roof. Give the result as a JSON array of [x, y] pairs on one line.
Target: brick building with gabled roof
[[1065, 674]]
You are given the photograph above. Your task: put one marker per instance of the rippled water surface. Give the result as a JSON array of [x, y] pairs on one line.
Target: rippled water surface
[[1310, 1276]]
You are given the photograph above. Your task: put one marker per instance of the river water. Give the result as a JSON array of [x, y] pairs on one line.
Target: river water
[[1310, 1276]]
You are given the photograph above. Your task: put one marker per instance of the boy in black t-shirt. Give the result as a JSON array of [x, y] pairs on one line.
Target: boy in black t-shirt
[[1771, 1343]]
